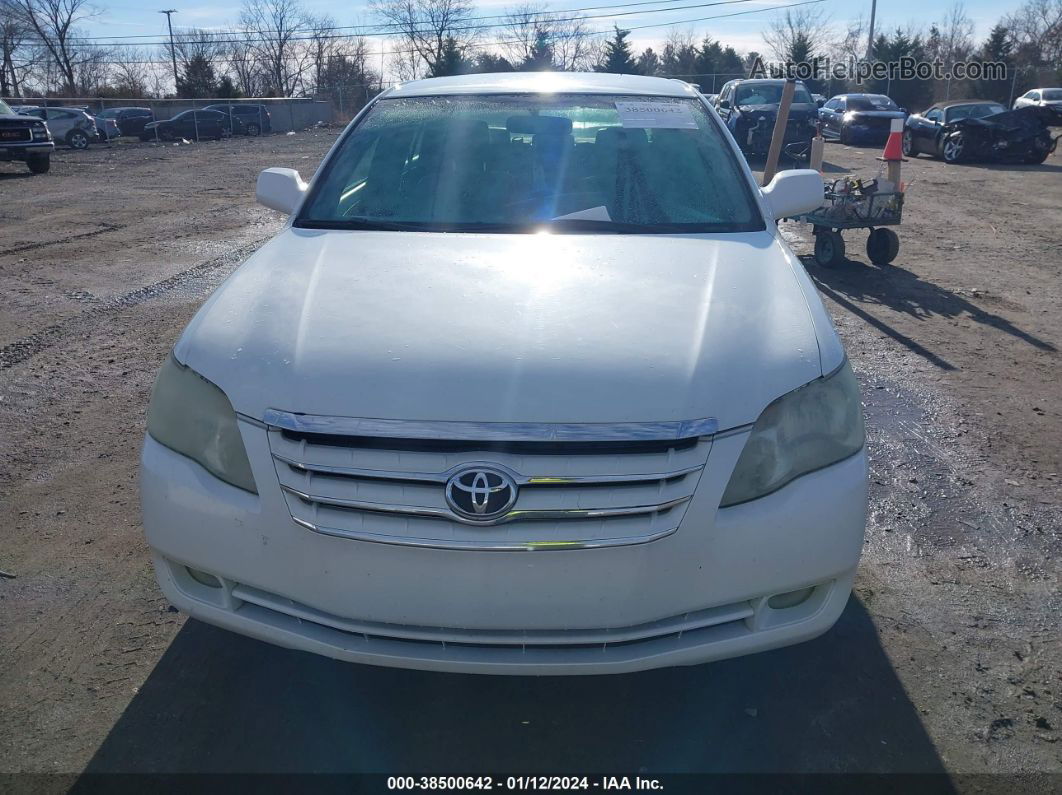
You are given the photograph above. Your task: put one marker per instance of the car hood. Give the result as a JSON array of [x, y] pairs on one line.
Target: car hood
[[511, 328]]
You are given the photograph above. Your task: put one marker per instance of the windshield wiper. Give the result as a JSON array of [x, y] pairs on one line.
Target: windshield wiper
[[596, 225], [360, 224]]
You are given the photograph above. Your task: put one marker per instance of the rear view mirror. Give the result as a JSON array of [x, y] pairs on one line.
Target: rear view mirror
[[280, 189], [794, 192]]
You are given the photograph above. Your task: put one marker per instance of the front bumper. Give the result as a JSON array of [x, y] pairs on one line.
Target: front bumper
[[696, 596], [21, 151]]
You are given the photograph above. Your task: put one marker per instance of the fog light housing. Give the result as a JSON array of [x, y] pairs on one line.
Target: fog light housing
[[781, 601], [209, 580]]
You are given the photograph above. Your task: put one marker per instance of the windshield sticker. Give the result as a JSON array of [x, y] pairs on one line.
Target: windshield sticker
[[656, 115]]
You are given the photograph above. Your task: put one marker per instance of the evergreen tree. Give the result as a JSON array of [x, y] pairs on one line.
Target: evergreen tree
[[227, 89], [198, 79], [540, 59], [617, 57], [451, 61], [489, 62], [998, 48], [648, 63]]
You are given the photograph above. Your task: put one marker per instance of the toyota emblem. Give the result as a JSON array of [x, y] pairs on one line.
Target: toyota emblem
[[480, 493]]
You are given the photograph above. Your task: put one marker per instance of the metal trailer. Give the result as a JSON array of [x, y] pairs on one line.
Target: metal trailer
[[858, 207]]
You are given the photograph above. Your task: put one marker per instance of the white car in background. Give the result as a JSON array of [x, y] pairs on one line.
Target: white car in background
[[529, 383], [1040, 97]]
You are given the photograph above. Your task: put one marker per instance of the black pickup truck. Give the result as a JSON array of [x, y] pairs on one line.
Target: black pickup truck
[[25, 138]]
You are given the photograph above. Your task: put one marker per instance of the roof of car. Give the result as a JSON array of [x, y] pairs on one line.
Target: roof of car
[[764, 80], [950, 103], [545, 83]]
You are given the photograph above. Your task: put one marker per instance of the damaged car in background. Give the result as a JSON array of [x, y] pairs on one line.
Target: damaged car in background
[[750, 107], [979, 130]]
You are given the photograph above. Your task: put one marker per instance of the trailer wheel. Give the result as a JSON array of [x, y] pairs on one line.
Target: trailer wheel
[[829, 249], [882, 246]]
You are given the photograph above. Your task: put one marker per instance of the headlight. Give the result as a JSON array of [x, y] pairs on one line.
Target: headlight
[[812, 427], [193, 417]]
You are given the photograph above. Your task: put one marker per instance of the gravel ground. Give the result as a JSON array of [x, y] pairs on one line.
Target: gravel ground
[[947, 658]]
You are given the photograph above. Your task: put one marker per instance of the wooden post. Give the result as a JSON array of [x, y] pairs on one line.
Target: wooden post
[[778, 138], [817, 147]]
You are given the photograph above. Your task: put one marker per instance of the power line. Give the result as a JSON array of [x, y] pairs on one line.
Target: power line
[[545, 15], [484, 45], [458, 28]]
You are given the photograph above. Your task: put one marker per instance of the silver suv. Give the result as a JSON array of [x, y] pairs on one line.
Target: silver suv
[[71, 125]]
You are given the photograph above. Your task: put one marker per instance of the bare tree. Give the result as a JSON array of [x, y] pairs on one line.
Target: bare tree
[[193, 43], [798, 34], [274, 26], [956, 34], [129, 73], [1036, 28], [529, 28], [429, 30], [243, 66], [14, 34], [54, 23]]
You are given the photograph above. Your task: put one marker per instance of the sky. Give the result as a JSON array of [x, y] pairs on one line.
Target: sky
[[744, 33]]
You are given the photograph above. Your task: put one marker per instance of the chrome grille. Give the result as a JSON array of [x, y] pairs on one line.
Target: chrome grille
[[611, 487]]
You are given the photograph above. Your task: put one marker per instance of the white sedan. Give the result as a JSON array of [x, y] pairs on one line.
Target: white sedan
[[1040, 97], [529, 383]]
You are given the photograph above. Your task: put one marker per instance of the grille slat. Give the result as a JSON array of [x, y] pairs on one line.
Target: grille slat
[[570, 494]]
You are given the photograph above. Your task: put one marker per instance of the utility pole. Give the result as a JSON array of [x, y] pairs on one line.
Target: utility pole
[[870, 38], [173, 51]]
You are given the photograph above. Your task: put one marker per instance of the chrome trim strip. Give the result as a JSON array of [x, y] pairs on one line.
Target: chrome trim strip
[[511, 516], [520, 480], [480, 546], [492, 431]]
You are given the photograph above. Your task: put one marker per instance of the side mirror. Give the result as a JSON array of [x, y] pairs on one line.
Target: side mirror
[[794, 192], [820, 102], [280, 189], [724, 103]]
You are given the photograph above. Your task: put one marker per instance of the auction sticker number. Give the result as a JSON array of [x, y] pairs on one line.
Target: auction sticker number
[[656, 115]]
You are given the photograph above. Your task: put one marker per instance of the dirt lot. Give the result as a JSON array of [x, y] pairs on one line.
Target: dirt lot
[[948, 658]]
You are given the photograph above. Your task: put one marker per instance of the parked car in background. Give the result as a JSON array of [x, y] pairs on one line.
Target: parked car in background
[[130, 121], [73, 126], [106, 130], [1040, 97], [25, 139], [749, 108], [193, 125], [976, 129], [255, 118], [668, 473], [859, 118]]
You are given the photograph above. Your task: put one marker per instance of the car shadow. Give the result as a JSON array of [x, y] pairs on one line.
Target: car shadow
[[6, 175], [855, 284], [219, 703]]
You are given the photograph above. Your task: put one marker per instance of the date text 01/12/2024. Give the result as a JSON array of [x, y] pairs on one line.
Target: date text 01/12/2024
[[524, 783]]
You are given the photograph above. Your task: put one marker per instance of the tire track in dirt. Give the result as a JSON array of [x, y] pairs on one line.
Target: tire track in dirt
[[25, 348], [105, 227]]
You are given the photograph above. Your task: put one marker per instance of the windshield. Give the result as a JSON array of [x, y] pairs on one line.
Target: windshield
[[5, 109], [871, 103], [1053, 94], [519, 163], [974, 111], [768, 94]]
